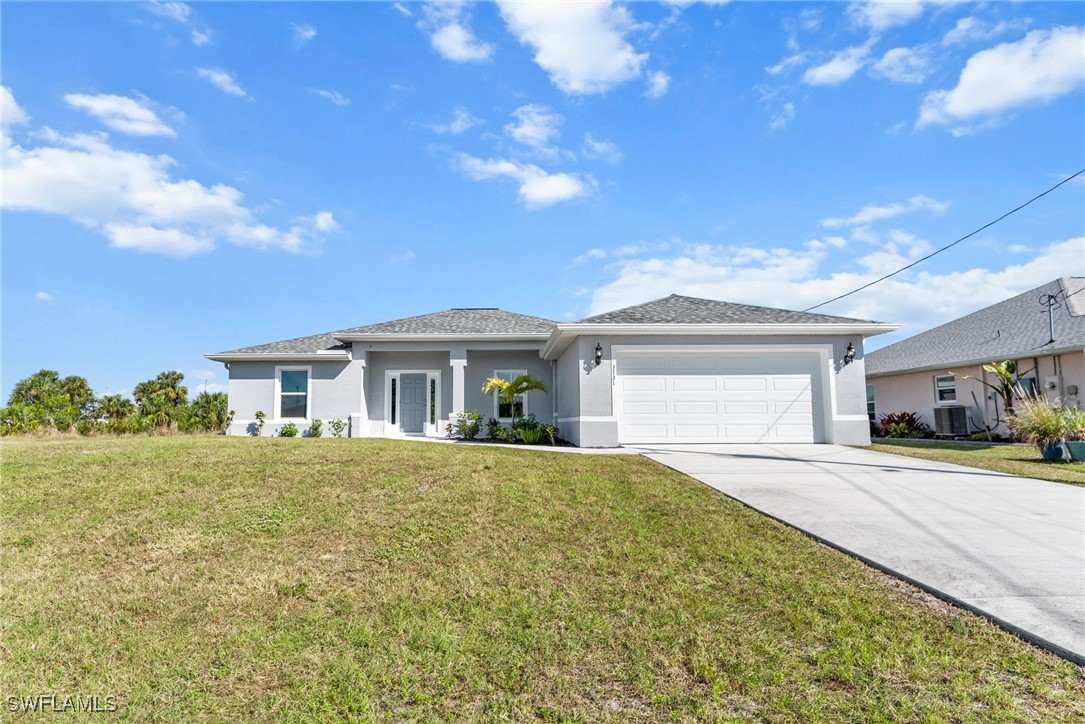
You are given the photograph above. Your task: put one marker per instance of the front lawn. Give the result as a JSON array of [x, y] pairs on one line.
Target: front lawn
[[232, 579], [1013, 459]]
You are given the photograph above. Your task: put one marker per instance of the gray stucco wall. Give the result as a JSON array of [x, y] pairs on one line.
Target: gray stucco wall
[[379, 363], [332, 391], [594, 424], [481, 365]]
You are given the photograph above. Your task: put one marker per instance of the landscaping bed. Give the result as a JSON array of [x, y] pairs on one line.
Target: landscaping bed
[[263, 578], [1014, 459]]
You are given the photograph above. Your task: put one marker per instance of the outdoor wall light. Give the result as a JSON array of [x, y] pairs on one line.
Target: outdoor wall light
[[598, 353], [849, 354]]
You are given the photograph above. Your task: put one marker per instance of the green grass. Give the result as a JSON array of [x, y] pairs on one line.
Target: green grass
[[225, 578], [1013, 459]]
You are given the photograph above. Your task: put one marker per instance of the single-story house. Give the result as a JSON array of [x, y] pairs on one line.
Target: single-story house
[[938, 373], [677, 369]]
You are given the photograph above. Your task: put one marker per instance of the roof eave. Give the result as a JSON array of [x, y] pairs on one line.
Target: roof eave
[[563, 334], [279, 357], [947, 366], [400, 337]]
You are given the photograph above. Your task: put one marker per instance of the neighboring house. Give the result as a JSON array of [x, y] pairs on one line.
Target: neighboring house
[[927, 373], [677, 369]]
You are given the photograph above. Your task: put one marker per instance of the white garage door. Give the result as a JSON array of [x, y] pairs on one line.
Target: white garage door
[[683, 397]]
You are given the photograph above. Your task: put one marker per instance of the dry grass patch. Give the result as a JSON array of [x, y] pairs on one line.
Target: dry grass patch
[[225, 578]]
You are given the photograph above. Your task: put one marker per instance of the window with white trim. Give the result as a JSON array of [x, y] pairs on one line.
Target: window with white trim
[[502, 409], [945, 388], [870, 402], [293, 392]]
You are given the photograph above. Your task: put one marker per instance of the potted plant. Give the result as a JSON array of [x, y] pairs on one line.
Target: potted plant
[[1075, 433], [1037, 421]]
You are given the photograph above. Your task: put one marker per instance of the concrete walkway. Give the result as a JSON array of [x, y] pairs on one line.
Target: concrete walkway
[[1009, 548]]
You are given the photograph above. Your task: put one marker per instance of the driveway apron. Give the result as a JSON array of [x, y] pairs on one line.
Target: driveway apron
[[1009, 548]]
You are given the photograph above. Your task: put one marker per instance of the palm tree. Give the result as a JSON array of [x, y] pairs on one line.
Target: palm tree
[[509, 390], [114, 407]]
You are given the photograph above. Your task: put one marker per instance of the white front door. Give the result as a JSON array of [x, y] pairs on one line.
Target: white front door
[[716, 396]]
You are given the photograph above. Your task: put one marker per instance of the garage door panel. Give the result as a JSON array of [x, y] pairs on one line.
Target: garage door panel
[[647, 407], [748, 384], [693, 384], [715, 397], [644, 384]]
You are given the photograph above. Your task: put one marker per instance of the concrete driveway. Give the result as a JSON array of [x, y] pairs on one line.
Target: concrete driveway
[[1009, 548]]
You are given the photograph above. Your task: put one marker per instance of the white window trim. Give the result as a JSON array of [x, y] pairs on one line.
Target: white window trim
[[279, 369], [497, 397], [939, 401], [429, 430]]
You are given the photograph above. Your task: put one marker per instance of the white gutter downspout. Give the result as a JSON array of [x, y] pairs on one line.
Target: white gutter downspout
[[554, 392]]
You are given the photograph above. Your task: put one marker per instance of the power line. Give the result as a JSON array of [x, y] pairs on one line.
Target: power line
[[948, 246]]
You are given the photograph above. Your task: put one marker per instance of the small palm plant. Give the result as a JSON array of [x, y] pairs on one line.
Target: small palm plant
[[509, 390]]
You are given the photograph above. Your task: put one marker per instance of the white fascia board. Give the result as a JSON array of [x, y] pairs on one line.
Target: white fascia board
[[563, 334], [950, 366], [391, 337], [280, 357]]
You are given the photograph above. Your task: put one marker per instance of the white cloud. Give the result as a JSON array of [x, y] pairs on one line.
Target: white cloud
[[902, 65], [843, 65], [604, 150], [1042, 66], [302, 33], [401, 258], [880, 15], [461, 121], [133, 199], [402, 9], [870, 214], [784, 117], [172, 10], [222, 80], [538, 188], [916, 299], [44, 297], [10, 112], [321, 221], [121, 114], [787, 63], [334, 96], [658, 83], [590, 255], [971, 29], [536, 127], [448, 27], [202, 37], [582, 46]]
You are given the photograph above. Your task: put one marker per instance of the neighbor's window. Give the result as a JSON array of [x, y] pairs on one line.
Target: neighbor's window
[[501, 408], [294, 393], [870, 401], [1027, 387], [945, 388]]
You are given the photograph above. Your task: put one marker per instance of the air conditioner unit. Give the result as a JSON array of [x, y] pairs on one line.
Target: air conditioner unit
[[951, 420]]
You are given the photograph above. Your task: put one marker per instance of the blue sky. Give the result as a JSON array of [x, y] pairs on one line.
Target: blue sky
[[188, 178]]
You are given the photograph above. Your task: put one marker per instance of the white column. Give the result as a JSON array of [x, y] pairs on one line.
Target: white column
[[457, 358], [359, 421]]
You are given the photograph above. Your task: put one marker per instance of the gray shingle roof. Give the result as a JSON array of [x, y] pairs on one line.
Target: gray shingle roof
[[1011, 329], [451, 321], [677, 309], [460, 321]]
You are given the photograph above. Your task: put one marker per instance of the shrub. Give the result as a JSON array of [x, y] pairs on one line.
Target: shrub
[[551, 433], [288, 430], [902, 424], [337, 427], [1039, 422], [89, 427], [1075, 423], [261, 418], [508, 434], [468, 423], [493, 428], [129, 425], [316, 428], [985, 437], [532, 436], [18, 419], [526, 422]]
